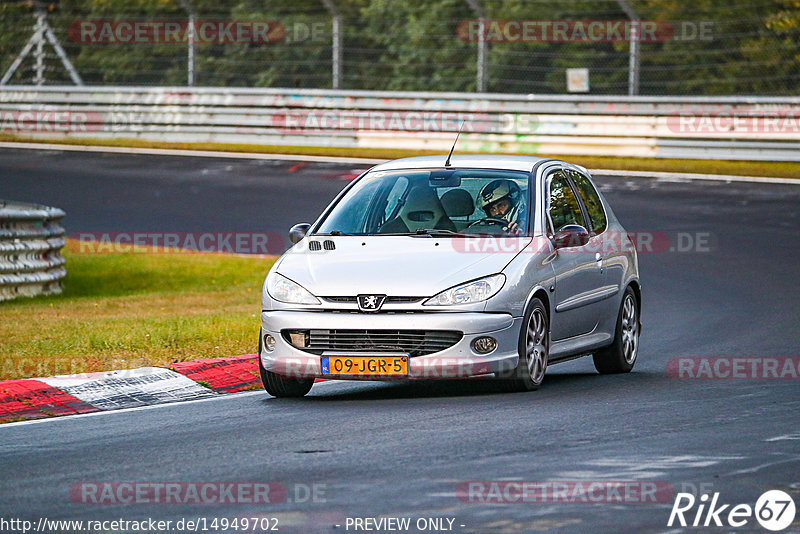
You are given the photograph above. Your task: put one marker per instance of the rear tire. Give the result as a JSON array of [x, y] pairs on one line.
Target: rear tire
[[279, 386], [620, 356], [534, 350]]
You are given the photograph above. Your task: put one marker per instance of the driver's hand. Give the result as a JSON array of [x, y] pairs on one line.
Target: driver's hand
[[513, 228]]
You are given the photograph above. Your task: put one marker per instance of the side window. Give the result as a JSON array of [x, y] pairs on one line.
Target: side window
[[564, 206], [591, 200]]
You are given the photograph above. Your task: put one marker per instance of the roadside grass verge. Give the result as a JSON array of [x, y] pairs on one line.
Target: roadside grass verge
[[134, 309], [776, 169]]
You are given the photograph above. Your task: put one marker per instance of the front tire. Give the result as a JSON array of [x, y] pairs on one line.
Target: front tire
[[534, 350], [620, 356], [279, 386]]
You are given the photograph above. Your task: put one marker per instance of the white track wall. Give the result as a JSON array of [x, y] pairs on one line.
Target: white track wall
[[731, 128]]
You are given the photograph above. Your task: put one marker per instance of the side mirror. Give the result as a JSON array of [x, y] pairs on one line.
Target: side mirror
[[571, 235], [298, 232]]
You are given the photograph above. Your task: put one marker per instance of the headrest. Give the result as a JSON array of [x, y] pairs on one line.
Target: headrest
[[458, 203]]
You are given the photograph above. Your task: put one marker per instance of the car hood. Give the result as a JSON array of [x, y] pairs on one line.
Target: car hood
[[393, 265]]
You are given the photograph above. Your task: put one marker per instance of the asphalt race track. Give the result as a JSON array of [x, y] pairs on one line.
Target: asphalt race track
[[401, 450]]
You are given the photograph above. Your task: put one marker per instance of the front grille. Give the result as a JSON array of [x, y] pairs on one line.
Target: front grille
[[413, 342], [394, 300]]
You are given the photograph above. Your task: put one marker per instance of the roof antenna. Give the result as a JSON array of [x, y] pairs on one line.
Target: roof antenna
[[447, 163]]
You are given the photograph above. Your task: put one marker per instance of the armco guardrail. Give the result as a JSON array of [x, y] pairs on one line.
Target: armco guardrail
[[752, 128], [31, 239]]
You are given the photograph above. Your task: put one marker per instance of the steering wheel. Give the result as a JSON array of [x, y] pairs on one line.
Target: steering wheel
[[491, 220]]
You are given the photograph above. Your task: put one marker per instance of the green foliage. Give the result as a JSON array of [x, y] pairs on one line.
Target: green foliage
[[748, 47]]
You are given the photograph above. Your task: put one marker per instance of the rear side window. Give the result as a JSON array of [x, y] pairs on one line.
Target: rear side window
[[594, 206]]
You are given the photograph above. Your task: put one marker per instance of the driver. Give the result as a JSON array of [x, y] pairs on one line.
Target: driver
[[502, 199]]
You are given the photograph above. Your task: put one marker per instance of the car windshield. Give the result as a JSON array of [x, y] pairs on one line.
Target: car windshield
[[433, 202]]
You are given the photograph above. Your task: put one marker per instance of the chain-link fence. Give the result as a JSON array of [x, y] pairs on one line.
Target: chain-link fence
[[648, 47]]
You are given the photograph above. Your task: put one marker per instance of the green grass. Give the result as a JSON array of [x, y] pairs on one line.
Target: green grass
[[780, 169], [126, 310]]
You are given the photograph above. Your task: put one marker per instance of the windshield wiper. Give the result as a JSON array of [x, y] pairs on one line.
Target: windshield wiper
[[333, 233], [436, 232]]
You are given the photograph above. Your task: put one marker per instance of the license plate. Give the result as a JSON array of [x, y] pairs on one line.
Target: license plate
[[365, 364]]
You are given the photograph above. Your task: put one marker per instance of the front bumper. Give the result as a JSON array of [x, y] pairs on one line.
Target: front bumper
[[458, 361]]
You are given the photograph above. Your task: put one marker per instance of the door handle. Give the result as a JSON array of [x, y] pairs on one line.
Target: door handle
[[599, 259]]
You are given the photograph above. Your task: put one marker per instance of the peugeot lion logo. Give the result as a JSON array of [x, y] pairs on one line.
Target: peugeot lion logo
[[370, 303]]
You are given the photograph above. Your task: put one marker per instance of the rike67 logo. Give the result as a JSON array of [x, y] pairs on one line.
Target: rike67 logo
[[774, 510]]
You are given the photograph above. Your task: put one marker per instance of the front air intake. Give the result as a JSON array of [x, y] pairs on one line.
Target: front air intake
[[412, 342]]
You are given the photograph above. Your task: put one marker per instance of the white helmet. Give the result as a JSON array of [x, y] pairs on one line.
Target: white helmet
[[497, 190]]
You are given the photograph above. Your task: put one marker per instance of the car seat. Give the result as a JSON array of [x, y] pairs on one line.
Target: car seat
[[422, 209]]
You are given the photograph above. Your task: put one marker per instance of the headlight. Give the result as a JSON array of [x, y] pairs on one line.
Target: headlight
[[475, 291], [284, 290]]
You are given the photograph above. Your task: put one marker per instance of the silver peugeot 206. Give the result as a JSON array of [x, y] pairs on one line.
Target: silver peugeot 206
[[444, 267]]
